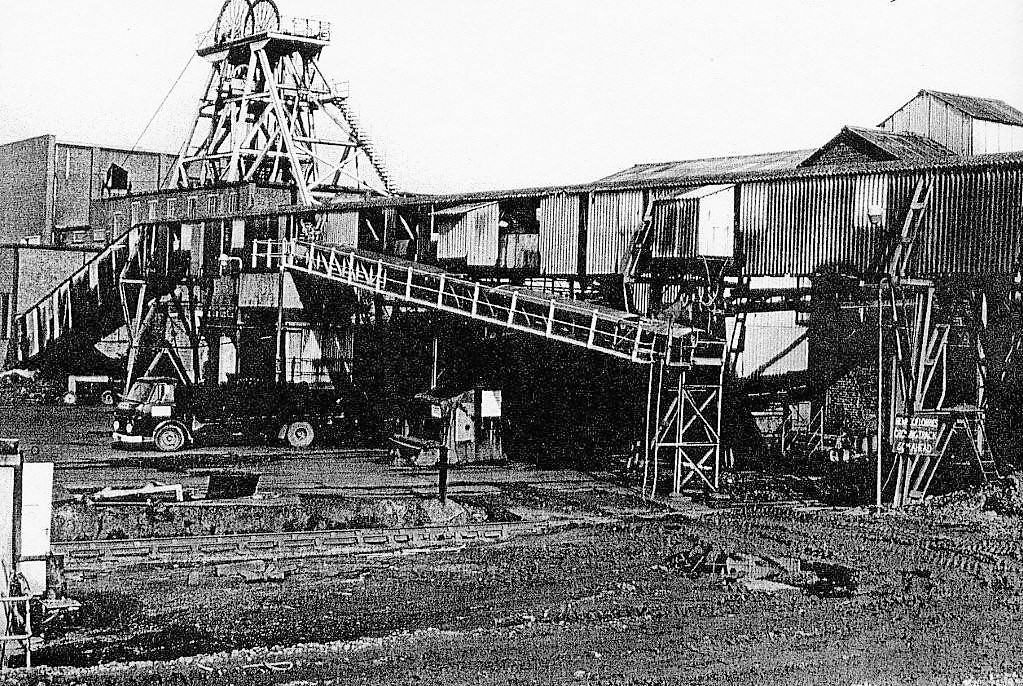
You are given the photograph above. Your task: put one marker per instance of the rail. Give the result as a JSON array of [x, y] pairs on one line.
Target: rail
[[608, 331], [290, 545]]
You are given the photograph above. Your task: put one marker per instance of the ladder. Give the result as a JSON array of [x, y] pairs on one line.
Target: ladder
[[898, 261], [634, 253], [977, 435]]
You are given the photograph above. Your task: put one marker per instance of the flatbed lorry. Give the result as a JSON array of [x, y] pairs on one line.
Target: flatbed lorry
[[172, 416]]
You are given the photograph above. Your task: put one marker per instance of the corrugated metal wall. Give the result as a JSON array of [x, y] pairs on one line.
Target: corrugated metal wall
[[795, 226], [674, 229], [341, 228], [612, 220], [482, 235], [972, 224], [559, 234], [472, 236], [936, 119]]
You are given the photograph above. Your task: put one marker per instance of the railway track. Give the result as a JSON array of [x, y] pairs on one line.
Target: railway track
[[92, 555]]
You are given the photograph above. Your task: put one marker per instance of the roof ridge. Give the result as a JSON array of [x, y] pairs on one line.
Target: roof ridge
[[723, 157], [963, 95]]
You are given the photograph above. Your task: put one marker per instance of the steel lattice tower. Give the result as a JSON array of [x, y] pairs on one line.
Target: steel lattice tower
[[269, 114]]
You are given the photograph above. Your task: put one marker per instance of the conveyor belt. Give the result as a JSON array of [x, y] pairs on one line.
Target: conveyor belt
[[612, 332]]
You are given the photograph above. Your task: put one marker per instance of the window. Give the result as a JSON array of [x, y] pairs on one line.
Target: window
[[172, 207], [5, 315], [136, 213], [213, 203], [117, 224], [34, 239], [79, 237], [151, 210], [193, 205], [99, 236]]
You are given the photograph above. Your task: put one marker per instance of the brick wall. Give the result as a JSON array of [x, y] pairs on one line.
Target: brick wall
[[852, 402]]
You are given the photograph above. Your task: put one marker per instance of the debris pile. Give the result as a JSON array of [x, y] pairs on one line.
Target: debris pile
[[1002, 497], [84, 519], [20, 386]]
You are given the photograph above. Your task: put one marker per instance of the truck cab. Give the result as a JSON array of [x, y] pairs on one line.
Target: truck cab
[[170, 415], [148, 414]]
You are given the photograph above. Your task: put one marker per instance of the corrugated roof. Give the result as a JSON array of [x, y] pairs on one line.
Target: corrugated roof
[[882, 146], [903, 146], [981, 108], [461, 209], [986, 161], [660, 171]]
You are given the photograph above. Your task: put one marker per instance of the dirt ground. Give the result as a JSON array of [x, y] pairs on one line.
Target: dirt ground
[[889, 599], [930, 597]]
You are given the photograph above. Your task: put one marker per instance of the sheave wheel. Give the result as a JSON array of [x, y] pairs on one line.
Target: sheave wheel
[[300, 434], [107, 398], [169, 438]]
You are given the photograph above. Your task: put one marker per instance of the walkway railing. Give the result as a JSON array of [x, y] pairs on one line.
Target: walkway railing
[[612, 332]]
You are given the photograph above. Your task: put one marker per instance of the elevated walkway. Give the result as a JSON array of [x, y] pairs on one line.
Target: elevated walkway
[[608, 331], [144, 263]]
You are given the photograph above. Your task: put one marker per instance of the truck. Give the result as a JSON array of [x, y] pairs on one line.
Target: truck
[[169, 415]]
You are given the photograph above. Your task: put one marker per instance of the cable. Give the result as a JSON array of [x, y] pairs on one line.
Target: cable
[[159, 107], [163, 102]]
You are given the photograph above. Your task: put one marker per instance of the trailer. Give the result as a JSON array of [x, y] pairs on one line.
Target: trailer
[[170, 415]]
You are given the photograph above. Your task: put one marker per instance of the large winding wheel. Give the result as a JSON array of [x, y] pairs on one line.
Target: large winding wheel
[[231, 20], [262, 17], [241, 18]]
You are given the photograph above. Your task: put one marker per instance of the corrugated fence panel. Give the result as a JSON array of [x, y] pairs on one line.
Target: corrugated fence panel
[[559, 234], [482, 235], [797, 226], [613, 219]]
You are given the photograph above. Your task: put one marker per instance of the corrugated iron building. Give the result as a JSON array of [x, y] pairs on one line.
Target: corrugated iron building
[[612, 220], [559, 234]]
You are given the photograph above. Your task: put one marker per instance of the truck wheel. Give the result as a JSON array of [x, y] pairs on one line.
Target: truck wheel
[[300, 434], [107, 398], [169, 438]]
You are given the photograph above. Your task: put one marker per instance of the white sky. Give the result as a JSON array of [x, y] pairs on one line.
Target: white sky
[[475, 94]]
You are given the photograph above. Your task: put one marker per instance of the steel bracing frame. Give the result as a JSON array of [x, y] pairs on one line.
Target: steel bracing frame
[[683, 422], [912, 330], [268, 113]]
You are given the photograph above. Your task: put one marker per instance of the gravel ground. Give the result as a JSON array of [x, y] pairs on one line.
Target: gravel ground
[[889, 599]]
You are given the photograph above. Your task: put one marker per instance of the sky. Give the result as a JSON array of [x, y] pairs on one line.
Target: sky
[[485, 94]]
